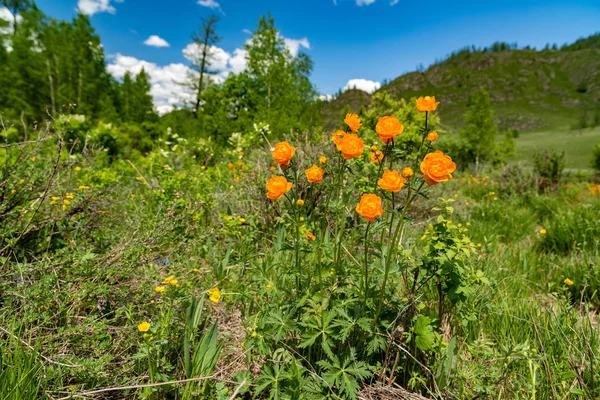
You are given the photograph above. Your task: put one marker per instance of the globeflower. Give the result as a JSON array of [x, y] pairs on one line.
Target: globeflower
[[388, 128], [432, 136], [376, 156], [437, 167], [283, 153], [337, 136], [310, 235], [214, 295], [314, 174], [351, 146], [353, 122], [277, 187], [369, 207], [427, 103], [144, 327], [407, 172], [391, 181]]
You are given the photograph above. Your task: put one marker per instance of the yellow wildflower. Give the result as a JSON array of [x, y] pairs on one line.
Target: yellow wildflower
[[84, 187], [242, 220], [568, 282], [159, 289], [168, 280], [214, 295], [144, 327], [253, 334], [300, 202], [542, 231], [269, 286], [77, 168]]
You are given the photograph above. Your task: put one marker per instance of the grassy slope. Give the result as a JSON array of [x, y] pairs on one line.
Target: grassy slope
[[577, 144]]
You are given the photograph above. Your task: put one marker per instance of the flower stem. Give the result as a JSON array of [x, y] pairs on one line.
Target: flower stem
[[366, 285]]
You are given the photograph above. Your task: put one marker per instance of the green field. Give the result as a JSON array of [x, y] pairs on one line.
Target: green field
[[577, 144]]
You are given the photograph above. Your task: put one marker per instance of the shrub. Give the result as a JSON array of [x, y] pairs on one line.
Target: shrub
[[596, 157], [548, 166]]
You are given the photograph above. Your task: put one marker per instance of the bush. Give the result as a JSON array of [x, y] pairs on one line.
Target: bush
[[548, 166], [596, 158]]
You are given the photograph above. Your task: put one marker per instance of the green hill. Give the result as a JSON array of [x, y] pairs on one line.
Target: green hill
[[530, 89]]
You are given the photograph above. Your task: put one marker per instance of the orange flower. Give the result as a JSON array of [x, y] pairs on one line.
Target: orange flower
[[322, 160], [283, 153], [376, 156], [353, 122], [407, 172], [427, 103], [338, 136], [277, 186], [437, 167], [351, 146], [314, 174], [432, 136], [310, 236], [388, 128], [369, 207], [391, 181]]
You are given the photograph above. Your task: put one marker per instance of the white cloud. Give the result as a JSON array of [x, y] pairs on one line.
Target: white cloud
[[294, 45], [394, 2], [156, 41], [325, 97], [166, 89], [209, 3], [362, 84], [91, 7], [6, 15], [364, 2]]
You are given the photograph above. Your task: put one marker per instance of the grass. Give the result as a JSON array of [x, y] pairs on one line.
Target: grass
[[475, 305], [577, 144]]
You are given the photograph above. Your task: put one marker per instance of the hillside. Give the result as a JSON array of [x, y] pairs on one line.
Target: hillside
[[530, 89]]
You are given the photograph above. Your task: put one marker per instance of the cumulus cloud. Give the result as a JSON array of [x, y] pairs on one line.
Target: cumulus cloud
[[166, 81], [91, 7], [363, 84], [294, 45], [156, 41], [325, 97], [209, 3], [364, 2], [7, 16], [166, 89]]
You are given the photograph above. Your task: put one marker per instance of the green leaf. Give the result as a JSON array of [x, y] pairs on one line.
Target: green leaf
[[423, 331]]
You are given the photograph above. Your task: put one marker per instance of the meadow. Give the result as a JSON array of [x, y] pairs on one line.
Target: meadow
[[574, 142], [358, 264], [255, 239]]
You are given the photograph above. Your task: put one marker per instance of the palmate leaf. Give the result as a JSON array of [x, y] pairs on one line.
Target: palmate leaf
[[344, 374], [423, 333], [271, 379], [319, 328]]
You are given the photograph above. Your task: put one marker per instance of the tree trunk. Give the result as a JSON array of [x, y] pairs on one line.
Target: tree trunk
[[51, 83], [201, 79]]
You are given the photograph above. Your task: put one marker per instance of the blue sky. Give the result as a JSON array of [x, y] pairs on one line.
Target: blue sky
[[370, 40]]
